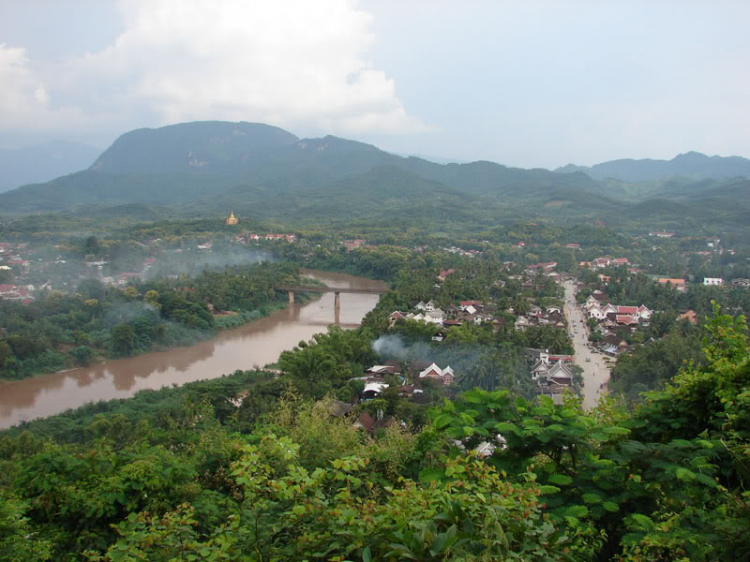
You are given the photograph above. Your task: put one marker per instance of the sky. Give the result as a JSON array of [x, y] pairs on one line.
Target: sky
[[527, 83]]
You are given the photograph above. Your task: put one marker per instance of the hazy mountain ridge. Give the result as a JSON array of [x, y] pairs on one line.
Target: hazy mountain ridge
[[191, 146], [209, 168], [692, 165], [43, 162]]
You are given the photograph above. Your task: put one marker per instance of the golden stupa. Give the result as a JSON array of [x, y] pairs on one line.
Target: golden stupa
[[232, 219]]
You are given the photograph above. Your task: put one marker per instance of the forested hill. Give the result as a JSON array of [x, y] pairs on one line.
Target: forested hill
[[197, 166], [692, 165], [178, 148], [209, 168]]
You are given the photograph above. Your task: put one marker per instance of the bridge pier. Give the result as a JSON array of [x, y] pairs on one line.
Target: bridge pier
[[337, 300], [291, 297]]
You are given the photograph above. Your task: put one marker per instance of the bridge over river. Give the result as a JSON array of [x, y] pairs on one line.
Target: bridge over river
[[291, 289]]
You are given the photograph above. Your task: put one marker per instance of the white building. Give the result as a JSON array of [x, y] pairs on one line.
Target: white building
[[713, 281]]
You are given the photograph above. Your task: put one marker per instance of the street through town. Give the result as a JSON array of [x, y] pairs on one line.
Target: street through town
[[595, 370]]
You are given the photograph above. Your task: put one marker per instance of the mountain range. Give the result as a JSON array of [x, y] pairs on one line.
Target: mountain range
[[261, 172], [692, 165]]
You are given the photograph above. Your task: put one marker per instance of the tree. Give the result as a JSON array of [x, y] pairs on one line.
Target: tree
[[123, 340], [82, 355]]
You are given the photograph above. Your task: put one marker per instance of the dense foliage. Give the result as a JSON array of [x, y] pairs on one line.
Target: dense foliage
[[190, 476], [61, 330]]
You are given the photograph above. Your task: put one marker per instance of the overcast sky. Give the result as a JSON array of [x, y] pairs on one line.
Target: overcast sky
[[524, 83]]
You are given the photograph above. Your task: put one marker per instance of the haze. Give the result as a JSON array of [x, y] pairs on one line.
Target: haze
[[529, 84]]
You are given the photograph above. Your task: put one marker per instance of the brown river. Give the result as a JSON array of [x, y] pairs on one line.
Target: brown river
[[255, 344]]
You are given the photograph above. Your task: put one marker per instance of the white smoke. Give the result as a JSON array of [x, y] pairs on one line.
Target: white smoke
[[390, 347]]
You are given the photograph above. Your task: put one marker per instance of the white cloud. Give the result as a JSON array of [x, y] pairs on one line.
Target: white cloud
[[292, 63], [17, 87]]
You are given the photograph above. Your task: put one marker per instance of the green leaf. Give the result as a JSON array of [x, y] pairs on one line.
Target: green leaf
[[431, 474], [643, 522], [298, 510], [442, 420], [562, 479], [616, 431], [548, 489], [366, 554], [610, 506], [577, 511], [474, 396], [507, 427], [705, 479], [591, 498], [684, 474]]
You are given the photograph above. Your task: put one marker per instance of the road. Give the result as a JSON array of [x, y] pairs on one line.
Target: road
[[595, 371]]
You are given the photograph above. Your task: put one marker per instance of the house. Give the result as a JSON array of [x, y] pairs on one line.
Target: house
[[690, 316], [395, 316], [481, 318], [644, 313], [555, 381], [128, 276], [573, 246], [540, 368], [373, 390], [596, 313], [661, 234], [436, 316], [7, 289], [613, 340], [626, 320], [600, 263], [596, 298], [369, 424], [445, 376], [476, 305], [521, 323], [741, 283], [678, 284], [384, 370], [444, 273], [713, 281], [424, 318], [631, 310], [620, 261], [425, 306], [353, 244], [206, 246], [470, 310]]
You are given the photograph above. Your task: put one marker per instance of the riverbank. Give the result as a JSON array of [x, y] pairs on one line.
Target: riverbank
[[66, 361], [254, 344]]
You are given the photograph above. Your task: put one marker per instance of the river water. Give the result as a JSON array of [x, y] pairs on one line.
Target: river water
[[255, 344]]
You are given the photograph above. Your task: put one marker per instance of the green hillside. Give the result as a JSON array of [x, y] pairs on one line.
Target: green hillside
[[208, 168], [693, 165]]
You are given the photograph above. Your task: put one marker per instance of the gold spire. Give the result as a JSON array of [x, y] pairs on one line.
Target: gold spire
[[232, 219]]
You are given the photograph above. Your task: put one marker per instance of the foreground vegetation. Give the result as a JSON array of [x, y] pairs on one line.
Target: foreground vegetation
[[191, 477]]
